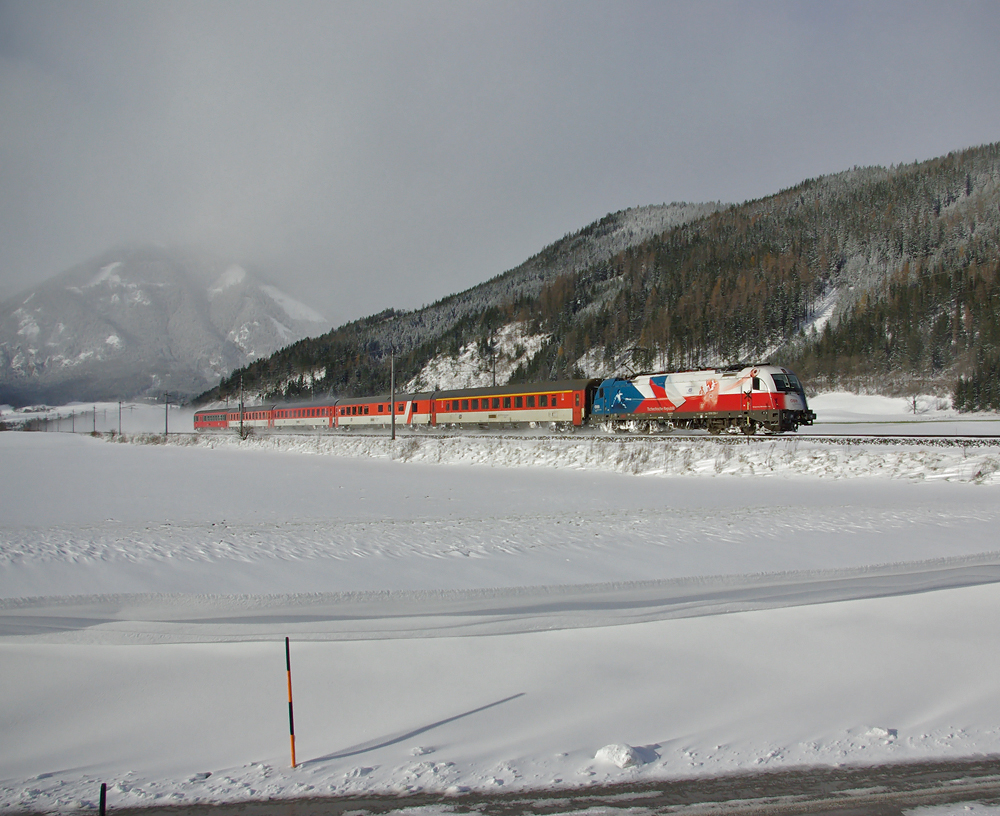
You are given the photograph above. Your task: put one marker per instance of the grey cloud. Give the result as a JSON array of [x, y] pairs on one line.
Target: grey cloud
[[374, 154]]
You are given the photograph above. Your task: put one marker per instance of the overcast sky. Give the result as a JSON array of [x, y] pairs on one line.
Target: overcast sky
[[373, 154]]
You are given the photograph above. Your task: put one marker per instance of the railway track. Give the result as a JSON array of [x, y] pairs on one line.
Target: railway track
[[963, 441]]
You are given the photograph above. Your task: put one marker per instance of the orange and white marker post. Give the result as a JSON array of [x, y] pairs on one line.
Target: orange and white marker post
[[291, 718]]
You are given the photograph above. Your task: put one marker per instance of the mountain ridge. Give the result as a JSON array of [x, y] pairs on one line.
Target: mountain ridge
[[875, 278]]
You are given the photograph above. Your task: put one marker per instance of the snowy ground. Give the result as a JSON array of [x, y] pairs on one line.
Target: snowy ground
[[489, 614]]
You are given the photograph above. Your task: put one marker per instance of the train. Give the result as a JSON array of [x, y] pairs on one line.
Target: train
[[761, 398]]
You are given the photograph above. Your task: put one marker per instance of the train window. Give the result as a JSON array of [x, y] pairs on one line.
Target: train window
[[577, 400], [506, 402], [786, 382], [380, 408], [401, 407], [543, 400], [518, 402], [475, 405], [366, 410], [531, 401], [496, 402], [465, 405]]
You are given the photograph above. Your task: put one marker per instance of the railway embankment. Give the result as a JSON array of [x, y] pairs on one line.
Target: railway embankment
[[966, 459]]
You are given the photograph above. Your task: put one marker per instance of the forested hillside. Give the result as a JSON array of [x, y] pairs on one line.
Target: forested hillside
[[874, 278]]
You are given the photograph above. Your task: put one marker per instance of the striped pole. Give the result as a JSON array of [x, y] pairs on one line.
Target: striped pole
[[291, 718]]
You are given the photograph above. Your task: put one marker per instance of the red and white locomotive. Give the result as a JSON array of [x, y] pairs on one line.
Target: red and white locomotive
[[746, 398]]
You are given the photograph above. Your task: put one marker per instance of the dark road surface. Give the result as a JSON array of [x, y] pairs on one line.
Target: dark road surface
[[885, 790]]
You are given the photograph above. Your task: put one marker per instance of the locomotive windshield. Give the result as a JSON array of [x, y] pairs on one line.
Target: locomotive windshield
[[786, 382]]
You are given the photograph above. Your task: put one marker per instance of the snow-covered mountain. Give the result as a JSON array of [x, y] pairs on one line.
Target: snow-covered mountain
[[142, 320], [318, 364]]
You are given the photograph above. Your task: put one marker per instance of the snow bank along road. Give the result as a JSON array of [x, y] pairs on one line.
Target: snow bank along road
[[927, 788], [463, 622]]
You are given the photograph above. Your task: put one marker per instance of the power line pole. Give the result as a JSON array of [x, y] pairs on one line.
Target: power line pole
[[166, 413], [392, 389]]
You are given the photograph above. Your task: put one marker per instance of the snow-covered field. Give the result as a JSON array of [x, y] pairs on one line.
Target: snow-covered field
[[489, 613]]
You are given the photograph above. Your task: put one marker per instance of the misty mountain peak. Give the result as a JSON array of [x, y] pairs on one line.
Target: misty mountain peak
[[139, 319], [233, 276]]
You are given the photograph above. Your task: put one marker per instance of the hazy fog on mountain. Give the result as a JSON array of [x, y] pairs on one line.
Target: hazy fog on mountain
[[142, 320]]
